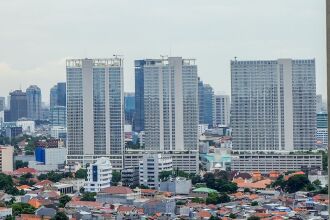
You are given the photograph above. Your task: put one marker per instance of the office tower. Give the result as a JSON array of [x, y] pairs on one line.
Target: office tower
[[57, 116], [129, 105], [18, 106], [2, 104], [95, 110], [322, 128], [273, 105], [222, 110], [53, 97], [138, 125], [61, 94], [206, 103], [33, 95], [319, 103], [170, 104]]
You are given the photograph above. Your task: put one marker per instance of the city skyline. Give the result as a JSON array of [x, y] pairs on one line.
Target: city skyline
[[214, 39]]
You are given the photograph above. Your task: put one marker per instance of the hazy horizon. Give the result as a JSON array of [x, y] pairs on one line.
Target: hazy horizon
[[37, 40]]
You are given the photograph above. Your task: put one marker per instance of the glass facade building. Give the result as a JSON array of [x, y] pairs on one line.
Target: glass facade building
[[33, 95]]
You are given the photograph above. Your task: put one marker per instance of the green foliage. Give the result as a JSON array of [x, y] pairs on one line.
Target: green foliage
[[7, 184], [20, 164], [143, 187], [22, 208], [247, 190], [317, 182], [324, 159], [181, 202], [88, 196], [116, 177], [198, 200], [60, 216], [222, 185], [196, 179], [224, 198], [81, 174], [9, 217], [254, 203], [165, 175], [214, 218], [296, 183], [253, 218], [324, 190], [53, 176], [232, 216], [64, 200], [214, 198]]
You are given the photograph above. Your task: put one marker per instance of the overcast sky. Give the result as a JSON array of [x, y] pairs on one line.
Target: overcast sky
[[36, 36]]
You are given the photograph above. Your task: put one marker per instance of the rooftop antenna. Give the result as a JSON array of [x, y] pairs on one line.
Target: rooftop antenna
[[235, 58]]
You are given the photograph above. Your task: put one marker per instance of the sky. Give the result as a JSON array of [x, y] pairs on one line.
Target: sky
[[37, 36]]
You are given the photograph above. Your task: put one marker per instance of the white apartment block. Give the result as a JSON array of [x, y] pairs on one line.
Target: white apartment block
[[322, 135], [151, 166], [99, 175], [95, 119], [171, 104], [6, 158], [222, 110], [265, 163], [273, 105]]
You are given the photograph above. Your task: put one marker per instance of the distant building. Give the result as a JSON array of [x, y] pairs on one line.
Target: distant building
[[2, 104], [319, 103], [273, 105], [322, 120], [18, 106], [6, 158], [222, 110], [129, 106], [47, 159], [33, 95], [178, 186], [58, 95], [28, 126], [99, 175], [95, 114], [58, 132], [13, 131], [53, 96], [266, 163], [138, 125], [165, 206], [151, 166], [130, 176], [57, 116], [117, 195], [206, 103]]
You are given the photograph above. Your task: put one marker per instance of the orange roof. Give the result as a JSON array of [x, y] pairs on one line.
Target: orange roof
[[23, 187], [262, 215], [32, 217], [123, 208], [262, 184], [280, 213], [25, 170], [277, 218], [148, 191], [44, 182], [204, 214], [253, 196], [85, 203], [117, 190], [35, 203]]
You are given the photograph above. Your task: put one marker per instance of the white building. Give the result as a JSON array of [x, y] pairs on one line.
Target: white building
[[6, 158], [47, 159], [170, 104], [273, 105], [150, 166], [99, 175], [202, 128], [178, 185], [95, 119], [58, 132], [222, 110], [28, 126]]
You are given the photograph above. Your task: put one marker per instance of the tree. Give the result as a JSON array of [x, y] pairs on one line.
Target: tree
[[209, 180], [22, 208], [165, 175], [88, 196], [196, 179], [214, 218], [296, 183], [116, 177], [254, 203], [52, 176], [9, 217], [20, 164], [247, 190], [81, 174], [198, 200], [224, 198], [232, 216], [60, 216], [253, 218], [317, 182], [212, 198], [64, 200]]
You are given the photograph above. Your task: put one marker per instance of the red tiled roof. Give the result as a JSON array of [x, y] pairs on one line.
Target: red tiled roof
[[84, 203], [25, 170], [123, 208], [148, 191], [204, 214], [43, 183], [117, 190]]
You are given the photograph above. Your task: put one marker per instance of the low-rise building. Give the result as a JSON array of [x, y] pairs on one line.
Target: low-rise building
[[99, 175], [117, 194], [177, 185], [47, 159], [266, 163], [151, 166], [130, 176], [165, 206], [5, 212]]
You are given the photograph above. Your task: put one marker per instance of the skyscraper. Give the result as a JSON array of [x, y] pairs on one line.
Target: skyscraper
[[206, 103], [273, 104], [61, 94], [18, 106], [139, 96], [129, 105], [222, 110], [95, 110], [2, 104], [170, 104], [53, 97], [33, 95]]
